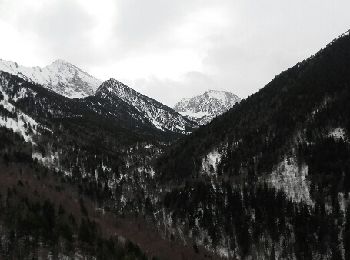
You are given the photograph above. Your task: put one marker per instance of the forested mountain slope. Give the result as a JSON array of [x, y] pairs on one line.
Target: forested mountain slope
[[55, 150], [258, 131], [270, 178], [46, 213]]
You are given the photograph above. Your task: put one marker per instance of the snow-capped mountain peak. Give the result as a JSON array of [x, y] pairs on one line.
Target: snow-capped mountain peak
[[61, 61], [222, 95], [60, 76], [116, 87], [203, 108]]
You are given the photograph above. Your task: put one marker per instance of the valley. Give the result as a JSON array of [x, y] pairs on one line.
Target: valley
[[109, 173]]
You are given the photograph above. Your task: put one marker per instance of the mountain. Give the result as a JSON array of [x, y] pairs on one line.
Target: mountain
[[104, 109], [270, 179], [160, 116], [60, 77], [203, 108], [75, 174], [70, 81], [102, 177]]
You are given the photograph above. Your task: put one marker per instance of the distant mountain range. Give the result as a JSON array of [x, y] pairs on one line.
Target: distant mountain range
[[69, 81], [203, 108]]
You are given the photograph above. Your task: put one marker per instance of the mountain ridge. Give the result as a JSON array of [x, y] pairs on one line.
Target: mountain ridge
[[70, 81], [159, 115]]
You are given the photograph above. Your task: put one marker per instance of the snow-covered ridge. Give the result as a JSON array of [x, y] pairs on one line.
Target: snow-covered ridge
[[60, 77], [159, 115], [203, 108]]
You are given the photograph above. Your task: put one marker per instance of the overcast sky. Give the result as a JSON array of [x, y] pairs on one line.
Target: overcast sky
[[170, 49]]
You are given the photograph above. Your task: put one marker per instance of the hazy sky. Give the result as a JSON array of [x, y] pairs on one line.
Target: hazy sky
[[170, 49]]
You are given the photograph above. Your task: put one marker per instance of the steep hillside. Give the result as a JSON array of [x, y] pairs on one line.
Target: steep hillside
[[160, 116], [203, 108], [43, 215], [46, 213], [270, 179]]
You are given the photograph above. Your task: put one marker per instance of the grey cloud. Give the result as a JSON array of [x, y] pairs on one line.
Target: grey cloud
[[170, 91], [271, 37], [261, 39], [139, 24], [63, 28], [266, 38]]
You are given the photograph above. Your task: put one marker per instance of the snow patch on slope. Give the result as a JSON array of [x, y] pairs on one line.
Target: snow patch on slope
[[21, 123], [192, 114], [50, 161], [290, 177], [338, 133], [211, 161]]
